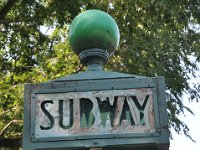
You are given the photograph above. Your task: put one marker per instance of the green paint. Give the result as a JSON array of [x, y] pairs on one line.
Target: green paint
[[61, 115], [87, 118], [141, 107], [94, 29]]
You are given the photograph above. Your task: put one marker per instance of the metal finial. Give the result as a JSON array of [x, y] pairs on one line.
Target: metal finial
[[94, 36]]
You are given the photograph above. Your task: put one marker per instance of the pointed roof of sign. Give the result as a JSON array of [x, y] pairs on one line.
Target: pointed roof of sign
[[95, 75]]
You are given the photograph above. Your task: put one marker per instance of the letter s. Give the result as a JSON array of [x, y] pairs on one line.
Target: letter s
[[47, 114]]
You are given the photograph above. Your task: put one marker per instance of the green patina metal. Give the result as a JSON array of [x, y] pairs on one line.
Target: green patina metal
[[96, 108], [156, 140], [94, 29]]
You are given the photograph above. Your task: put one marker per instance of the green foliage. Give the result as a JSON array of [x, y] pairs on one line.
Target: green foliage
[[158, 38]]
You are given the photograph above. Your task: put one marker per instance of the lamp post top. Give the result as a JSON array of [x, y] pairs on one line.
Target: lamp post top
[[94, 36]]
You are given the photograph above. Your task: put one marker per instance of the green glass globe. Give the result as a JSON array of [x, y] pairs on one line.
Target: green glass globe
[[94, 29]]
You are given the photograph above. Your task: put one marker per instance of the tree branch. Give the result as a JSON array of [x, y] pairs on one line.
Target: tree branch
[[5, 128], [5, 112], [6, 8]]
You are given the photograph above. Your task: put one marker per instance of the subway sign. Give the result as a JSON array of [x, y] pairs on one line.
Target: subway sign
[[84, 111], [93, 113]]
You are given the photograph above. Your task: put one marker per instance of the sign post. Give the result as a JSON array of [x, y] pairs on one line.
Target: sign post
[[95, 108]]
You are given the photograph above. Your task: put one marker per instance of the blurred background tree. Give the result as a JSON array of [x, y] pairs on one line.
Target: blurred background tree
[[158, 38]]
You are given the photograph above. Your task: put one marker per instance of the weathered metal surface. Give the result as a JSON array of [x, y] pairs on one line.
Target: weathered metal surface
[[93, 113], [157, 138], [88, 75]]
